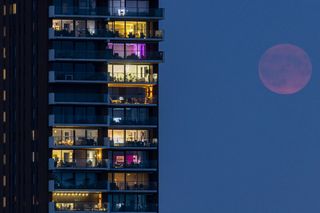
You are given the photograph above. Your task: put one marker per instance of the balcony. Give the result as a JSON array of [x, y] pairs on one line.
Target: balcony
[[148, 122], [76, 142], [132, 100], [79, 207], [121, 207], [98, 77], [100, 121], [133, 79], [134, 186], [104, 34], [105, 56], [87, 121], [79, 163], [78, 77], [98, 186], [143, 165], [78, 98], [100, 99], [146, 144], [104, 12]]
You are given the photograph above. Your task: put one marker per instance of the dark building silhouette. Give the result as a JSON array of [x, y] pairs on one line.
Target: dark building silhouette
[[79, 105]]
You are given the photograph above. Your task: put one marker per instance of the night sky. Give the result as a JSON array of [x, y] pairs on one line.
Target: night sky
[[229, 145]]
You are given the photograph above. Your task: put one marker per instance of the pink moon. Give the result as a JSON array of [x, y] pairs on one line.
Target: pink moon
[[285, 69]]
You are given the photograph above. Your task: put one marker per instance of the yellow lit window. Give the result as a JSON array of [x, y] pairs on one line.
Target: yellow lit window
[[119, 28], [14, 8], [136, 29], [4, 74]]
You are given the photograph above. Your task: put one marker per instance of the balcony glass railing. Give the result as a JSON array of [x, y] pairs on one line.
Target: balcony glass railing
[[146, 164], [102, 76], [103, 98], [108, 54], [132, 99], [133, 185], [141, 143], [104, 11], [81, 206], [104, 33], [81, 119], [81, 97], [139, 207], [82, 163], [133, 79], [103, 120], [81, 185], [81, 76], [133, 121], [74, 141]]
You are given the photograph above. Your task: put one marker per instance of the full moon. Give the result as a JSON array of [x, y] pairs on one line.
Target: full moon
[[285, 69]]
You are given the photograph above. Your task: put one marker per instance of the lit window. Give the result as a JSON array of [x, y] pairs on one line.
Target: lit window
[[4, 52], [4, 10], [4, 181], [4, 95], [4, 74], [14, 8], [4, 116], [4, 138], [4, 202], [4, 159]]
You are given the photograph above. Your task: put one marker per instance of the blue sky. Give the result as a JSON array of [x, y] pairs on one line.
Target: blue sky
[[228, 145]]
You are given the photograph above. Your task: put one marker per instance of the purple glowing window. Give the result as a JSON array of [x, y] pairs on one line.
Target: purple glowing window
[[128, 50]]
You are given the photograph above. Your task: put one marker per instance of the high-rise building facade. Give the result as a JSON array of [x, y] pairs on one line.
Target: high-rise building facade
[[79, 105]]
